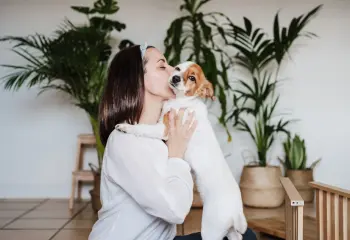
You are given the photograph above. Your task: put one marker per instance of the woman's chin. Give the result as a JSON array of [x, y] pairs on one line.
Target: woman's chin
[[170, 96], [171, 93]]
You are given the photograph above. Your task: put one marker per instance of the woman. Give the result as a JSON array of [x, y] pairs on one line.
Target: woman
[[146, 186]]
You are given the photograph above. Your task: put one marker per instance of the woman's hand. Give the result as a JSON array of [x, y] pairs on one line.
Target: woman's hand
[[179, 134]]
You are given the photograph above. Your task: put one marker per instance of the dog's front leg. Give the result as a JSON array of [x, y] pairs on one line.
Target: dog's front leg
[[159, 130], [144, 130]]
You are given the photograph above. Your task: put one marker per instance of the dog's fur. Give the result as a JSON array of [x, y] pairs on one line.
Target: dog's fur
[[222, 204]]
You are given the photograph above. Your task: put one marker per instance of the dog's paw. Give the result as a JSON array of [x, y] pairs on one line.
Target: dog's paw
[[240, 223], [123, 127], [234, 235]]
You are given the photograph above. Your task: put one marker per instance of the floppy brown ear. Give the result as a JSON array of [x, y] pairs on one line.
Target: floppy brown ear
[[206, 90]]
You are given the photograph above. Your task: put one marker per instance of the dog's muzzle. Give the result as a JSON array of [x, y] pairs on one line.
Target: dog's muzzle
[[175, 80]]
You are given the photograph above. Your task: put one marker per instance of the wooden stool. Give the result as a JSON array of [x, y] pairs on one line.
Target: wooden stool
[[79, 175]]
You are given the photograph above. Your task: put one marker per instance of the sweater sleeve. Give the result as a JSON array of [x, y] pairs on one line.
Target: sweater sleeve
[[162, 186]]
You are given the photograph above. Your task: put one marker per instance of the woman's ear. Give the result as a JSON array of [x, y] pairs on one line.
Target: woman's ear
[[206, 90]]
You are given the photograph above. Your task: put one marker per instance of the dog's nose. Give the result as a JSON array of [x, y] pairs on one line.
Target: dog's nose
[[176, 79]]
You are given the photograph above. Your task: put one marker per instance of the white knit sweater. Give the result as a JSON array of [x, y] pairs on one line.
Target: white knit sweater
[[144, 193]]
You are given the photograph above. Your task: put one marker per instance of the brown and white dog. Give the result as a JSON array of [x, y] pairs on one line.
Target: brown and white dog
[[222, 203]]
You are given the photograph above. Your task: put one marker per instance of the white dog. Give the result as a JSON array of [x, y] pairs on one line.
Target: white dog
[[222, 203]]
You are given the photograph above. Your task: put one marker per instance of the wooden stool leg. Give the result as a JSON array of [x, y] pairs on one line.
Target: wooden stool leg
[[72, 196], [78, 164], [80, 189], [79, 174]]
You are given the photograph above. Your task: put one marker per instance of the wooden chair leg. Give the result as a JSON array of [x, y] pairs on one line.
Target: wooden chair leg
[[72, 196]]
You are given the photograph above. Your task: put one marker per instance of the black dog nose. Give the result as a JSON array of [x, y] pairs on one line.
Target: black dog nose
[[176, 79]]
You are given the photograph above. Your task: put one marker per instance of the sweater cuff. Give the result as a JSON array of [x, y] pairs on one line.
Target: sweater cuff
[[181, 170], [178, 164]]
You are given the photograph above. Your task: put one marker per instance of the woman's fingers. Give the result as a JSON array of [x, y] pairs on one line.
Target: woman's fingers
[[192, 128], [176, 121], [189, 120], [172, 120], [179, 117]]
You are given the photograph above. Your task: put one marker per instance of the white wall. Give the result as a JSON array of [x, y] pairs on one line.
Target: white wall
[[38, 143]]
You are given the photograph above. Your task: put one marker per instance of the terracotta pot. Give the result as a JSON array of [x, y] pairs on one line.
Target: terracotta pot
[[301, 179], [261, 186]]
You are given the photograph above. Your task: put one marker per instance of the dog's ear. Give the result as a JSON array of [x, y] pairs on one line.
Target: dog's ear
[[206, 90]]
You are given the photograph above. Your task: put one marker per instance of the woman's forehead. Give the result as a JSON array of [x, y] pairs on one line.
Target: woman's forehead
[[154, 55]]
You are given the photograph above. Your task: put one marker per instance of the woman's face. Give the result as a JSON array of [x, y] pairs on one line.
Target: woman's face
[[157, 74]]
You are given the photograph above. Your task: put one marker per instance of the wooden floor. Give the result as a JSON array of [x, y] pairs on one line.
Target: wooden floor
[[44, 219], [50, 219]]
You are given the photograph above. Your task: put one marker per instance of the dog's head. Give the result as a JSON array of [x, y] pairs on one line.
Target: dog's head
[[188, 80]]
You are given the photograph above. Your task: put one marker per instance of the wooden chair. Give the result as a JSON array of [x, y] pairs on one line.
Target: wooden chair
[[292, 226], [331, 211], [294, 214]]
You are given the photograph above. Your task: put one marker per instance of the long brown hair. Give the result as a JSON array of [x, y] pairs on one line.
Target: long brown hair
[[123, 96]]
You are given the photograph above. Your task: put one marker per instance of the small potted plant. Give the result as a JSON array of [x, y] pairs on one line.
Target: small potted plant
[[295, 165]]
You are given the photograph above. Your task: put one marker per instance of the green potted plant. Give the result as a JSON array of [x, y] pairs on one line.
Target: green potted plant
[[73, 60], [255, 101], [295, 165]]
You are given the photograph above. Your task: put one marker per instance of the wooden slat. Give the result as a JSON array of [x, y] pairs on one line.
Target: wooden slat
[[319, 214], [295, 223], [345, 219], [331, 189], [300, 213], [328, 221], [336, 216], [341, 213], [288, 217]]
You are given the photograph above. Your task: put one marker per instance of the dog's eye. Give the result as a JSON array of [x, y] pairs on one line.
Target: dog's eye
[[177, 69], [193, 79]]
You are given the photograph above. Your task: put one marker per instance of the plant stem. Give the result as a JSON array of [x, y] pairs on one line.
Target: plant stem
[[99, 146]]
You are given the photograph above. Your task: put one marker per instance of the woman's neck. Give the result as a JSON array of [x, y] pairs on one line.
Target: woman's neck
[[151, 109]]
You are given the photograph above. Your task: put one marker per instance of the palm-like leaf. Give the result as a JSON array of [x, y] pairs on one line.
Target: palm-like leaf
[[198, 34], [284, 38], [73, 58], [256, 50]]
